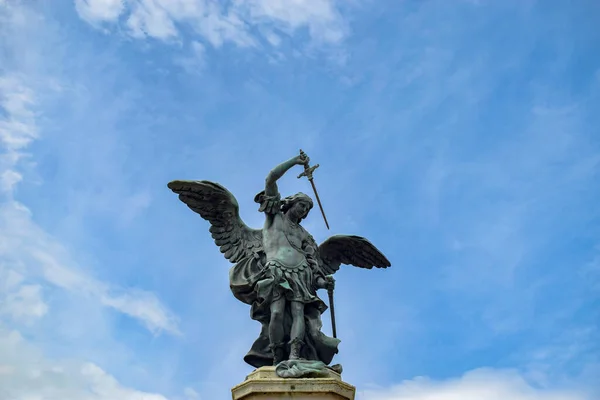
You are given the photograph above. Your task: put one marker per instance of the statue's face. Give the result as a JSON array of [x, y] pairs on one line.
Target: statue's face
[[301, 208]]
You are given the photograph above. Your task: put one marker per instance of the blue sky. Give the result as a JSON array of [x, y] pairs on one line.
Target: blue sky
[[461, 137]]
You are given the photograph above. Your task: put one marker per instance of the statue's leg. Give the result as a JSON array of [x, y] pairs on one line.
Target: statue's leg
[[298, 329], [276, 332]]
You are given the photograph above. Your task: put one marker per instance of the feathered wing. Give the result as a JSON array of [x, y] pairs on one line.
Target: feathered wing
[[350, 250], [218, 206]]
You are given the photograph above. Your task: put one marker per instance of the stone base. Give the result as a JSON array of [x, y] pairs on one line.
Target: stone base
[[264, 384]]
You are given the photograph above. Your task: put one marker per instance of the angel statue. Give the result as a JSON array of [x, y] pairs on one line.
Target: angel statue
[[278, 269]]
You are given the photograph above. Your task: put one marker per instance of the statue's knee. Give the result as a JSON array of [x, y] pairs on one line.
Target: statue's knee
[[297, 308], [277, 315]]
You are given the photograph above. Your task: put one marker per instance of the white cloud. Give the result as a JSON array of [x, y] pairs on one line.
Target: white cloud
[[150, 18], [17, 129], [94, 11], [191, 393], [42, 257], [24, 303], [19, 301], [36, 269], [26, 374], [478, 384], [144, 306], [217, 23], [36, 254], [217, 28], [320, 17], [9, 180]]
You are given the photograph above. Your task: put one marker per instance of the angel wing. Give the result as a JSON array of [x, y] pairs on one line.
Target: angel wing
[[351, 250], [218, 206]]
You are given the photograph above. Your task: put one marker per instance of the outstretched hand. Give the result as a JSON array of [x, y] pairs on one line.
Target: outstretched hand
[[302, 159], [326, 282], [329, 282]]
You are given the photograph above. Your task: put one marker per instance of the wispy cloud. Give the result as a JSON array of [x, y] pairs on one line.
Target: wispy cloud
[[95, 11], [17, 129], [20, 302], [25, 372], [218, 23], [27, 245], [322, 18], [48, 290], [37, 254]]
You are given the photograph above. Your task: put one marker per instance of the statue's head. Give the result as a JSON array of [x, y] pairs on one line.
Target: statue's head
[[299, 205]]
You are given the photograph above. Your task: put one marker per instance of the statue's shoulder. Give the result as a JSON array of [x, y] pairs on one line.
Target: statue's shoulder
[[268, 204]]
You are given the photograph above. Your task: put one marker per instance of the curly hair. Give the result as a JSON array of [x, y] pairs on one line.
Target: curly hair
[[289, 201]]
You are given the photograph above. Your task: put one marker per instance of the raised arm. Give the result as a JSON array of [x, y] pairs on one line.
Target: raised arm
[[277, 172]]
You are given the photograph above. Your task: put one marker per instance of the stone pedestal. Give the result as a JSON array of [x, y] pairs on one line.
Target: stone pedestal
[[264, 384]]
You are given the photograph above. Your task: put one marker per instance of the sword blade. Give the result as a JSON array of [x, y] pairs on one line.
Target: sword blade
[[319, 202]]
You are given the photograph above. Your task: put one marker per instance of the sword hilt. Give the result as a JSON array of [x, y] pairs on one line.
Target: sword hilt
[[308, 171]]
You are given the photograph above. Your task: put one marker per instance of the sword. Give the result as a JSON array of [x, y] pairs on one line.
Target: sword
[[308, 172]]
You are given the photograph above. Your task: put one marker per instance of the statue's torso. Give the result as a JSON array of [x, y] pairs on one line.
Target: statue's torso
[[282, 241]]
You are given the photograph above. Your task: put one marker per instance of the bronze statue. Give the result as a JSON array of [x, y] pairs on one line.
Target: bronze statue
[[279, 268]]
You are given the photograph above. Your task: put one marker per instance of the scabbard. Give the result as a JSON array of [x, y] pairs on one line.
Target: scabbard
[[332, 311]]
